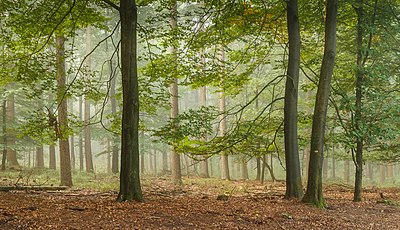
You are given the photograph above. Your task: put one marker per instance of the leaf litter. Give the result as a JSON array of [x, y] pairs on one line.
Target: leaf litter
[[199, 205]]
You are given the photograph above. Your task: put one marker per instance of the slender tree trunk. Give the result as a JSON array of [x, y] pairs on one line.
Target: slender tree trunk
[[294, 187], [130, 188], [382, 174], [155, 161], [222, 129], [358, 120], [80, 141], [52, 157], [204, 163], [4, 139], [245, 172], [165, 161], [175, 157], [39, 157], [65, 161], [108, 155], [11, 153], [88, 140], [258, 176], [72, 139], [314, 186], [347, 171], [52, 148], [115, 151]]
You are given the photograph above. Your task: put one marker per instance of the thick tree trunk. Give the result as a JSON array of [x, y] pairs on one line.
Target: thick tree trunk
[[65, 161], [314, 186], [88, 139], [130, 188], [294, 187]]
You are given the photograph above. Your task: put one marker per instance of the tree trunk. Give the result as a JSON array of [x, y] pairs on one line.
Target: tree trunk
[[72, 139], [80, 142], [130, 188], [4, 138], [245, 172], [382, 174], [88, 140], [222, 129], [11, 153], [65, 161], [164, 161], [175, 157], [347, 171], [39, 157], [258, 176], [314, 186], [294, 187], [204, 163], [115, 151], [155, 162], [52, 148]]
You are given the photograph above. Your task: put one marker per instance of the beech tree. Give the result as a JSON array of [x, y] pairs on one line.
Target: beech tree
[[313, 193], [294, 187]]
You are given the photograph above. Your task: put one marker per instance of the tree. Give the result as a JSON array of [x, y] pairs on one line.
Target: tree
[[65, 160], [293, 175], [87, 133], [204, 163], [130, 188], [313, 193], [175, 157]]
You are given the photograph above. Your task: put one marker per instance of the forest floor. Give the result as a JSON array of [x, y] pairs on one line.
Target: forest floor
[[199, 204]]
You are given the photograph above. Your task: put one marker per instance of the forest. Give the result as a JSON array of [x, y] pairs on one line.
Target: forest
[[230, 114]]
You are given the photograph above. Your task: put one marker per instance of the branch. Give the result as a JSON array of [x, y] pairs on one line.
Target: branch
[[110, 3]]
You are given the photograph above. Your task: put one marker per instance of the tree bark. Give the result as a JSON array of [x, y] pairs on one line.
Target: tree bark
[[294, 188], [87, 134], [39, 157], [175, 157], [72, 139], [4, 138], [204, 163], [11, 153], [80, 141], [130, 188], [115, 150], [65, 161], [52, 148], [222, 129], [313, 193]]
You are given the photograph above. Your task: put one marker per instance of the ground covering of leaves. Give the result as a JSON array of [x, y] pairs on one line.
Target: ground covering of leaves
[[199, 204]]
